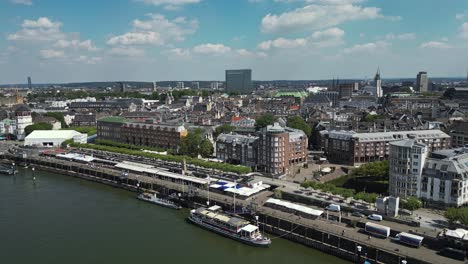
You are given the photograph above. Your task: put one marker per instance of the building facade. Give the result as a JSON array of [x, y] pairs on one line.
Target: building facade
[[23, 119], [406, 160], [422, 82], [165, 136], [239, 81], [237, 149], [445, 178], [109, 128], [281, 147], [349, 147]]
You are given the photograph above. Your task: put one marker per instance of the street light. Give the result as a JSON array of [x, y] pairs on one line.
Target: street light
[[404, 262]]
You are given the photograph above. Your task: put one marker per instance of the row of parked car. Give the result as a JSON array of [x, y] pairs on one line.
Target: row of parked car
[[337, 208]]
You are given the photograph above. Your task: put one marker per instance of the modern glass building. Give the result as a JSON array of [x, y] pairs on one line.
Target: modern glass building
[[239, 81]]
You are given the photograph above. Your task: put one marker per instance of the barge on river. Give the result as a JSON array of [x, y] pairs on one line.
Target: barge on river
[[229, 226]]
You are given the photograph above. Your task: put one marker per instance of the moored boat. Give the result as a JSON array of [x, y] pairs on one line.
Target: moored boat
[[153, 198], [233, 227]]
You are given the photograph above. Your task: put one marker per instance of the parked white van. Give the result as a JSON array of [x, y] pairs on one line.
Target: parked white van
[[333, 207], [375, 217]]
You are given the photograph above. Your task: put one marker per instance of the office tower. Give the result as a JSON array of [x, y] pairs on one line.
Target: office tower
[[422, 82], [195, 85], [239, 81], [155, 86], [345, 90], [378, 84], [123, 87], [29, 83], [180, 85]]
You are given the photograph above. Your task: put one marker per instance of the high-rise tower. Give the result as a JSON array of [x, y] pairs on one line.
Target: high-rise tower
[[378, 84]]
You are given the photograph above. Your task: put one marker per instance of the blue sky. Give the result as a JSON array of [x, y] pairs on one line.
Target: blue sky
[[153, 40]]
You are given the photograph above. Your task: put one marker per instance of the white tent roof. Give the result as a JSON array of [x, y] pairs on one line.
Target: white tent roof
[[52, 134], [296, 207]]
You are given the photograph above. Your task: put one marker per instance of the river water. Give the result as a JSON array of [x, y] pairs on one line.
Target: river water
[[59, 219]]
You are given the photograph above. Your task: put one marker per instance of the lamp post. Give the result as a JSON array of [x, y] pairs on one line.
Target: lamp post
[[359, 248], [404, 261]]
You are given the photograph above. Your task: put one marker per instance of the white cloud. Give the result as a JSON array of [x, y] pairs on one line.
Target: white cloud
[[404, 36], [464, 31], [317, 17], [210, 48], [177, 53], [366, 47], [318, 39], [42, 29], [22, 2], [157, 30], [126, 51], [462, 16], [88, 60], [170, 4], [282, 43], [435, 45], [136, 38], [76, 44], [51, 54]]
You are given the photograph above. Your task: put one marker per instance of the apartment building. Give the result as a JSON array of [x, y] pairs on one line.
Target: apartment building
[[407, 159], [349, 147], [237, 149]]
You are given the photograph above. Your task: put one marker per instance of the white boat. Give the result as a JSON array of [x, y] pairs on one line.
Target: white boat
[[153, 198], [232, 227]]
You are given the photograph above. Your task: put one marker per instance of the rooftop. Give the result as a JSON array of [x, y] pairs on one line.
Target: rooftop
[[114, 119]]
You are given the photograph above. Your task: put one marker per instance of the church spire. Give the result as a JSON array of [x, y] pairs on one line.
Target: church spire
[[377, 74]]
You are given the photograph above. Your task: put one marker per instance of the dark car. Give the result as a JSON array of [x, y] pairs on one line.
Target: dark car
[[358, 214]]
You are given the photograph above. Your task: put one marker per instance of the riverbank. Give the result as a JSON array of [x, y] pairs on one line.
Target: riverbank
[[305, 231]]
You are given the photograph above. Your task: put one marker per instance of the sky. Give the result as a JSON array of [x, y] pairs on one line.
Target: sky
[[57, 41]]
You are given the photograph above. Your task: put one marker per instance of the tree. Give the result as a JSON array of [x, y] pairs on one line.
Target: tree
[[265, 120], [223, 129], [378, 169], [190, 145], [206, 148], [454, 215], [411, 203], [59, 117], [298, 123], [39, 126]]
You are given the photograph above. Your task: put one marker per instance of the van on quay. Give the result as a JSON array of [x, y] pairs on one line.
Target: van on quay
[[333, 208], [375, 217]]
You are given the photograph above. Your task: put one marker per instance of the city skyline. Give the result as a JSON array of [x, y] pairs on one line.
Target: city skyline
[[147, 40]]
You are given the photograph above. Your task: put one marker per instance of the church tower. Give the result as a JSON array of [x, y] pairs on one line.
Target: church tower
[[378, 84]]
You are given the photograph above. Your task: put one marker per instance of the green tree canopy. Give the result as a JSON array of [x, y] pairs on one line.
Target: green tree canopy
[[206, 148], [190, 145], [39, 126], [411, 203], [457, 214], [59, 117], [298, 123], [224, 129], [265, 120], [378, 169]]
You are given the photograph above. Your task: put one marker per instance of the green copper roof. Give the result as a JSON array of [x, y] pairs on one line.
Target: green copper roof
[[113, 119], [295, 94]]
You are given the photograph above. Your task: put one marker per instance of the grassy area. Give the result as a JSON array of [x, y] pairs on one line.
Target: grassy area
[[362, 184], [206, 164], [331, 188], [111, 143]]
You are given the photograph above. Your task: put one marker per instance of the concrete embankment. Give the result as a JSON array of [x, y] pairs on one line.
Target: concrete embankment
[[317, 234]]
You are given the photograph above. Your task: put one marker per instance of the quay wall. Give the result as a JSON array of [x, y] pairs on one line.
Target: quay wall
[[329, 243]]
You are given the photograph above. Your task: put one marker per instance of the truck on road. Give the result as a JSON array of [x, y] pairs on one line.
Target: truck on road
[[377, 230], [409, 239]]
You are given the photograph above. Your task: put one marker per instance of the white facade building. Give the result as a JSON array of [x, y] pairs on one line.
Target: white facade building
[[23, 119], [406, 159], [445, 178]]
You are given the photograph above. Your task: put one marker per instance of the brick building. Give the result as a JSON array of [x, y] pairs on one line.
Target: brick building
[[165, 136], [273, 150], [349, 147]]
